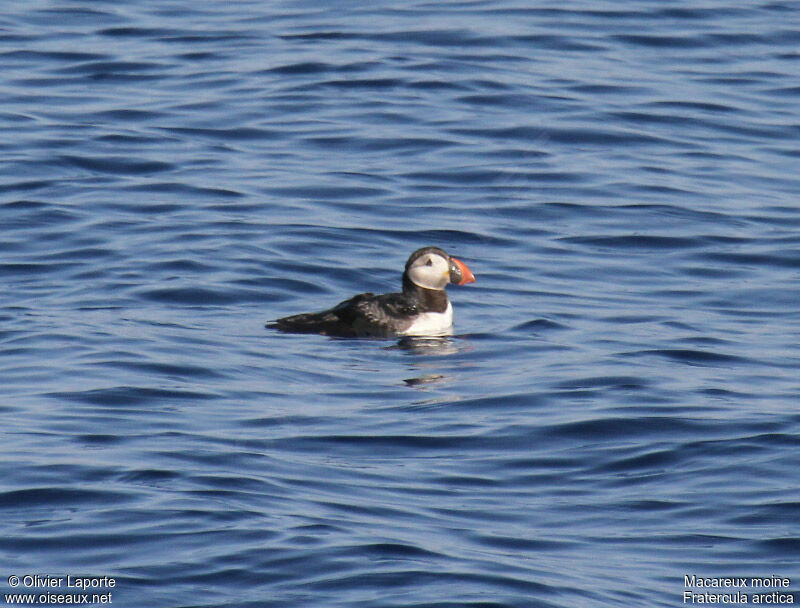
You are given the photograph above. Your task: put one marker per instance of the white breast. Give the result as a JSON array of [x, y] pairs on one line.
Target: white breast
[[432, 323]]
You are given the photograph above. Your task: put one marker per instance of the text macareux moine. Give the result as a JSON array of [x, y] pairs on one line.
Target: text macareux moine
[[755, 582]]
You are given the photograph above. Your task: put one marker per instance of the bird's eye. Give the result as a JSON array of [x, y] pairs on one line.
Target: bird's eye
[[429, 262]]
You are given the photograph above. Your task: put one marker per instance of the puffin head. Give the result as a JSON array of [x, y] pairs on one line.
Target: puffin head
[[432, 268]]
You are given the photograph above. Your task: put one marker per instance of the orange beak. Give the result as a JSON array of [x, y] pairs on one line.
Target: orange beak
[[466, 273]]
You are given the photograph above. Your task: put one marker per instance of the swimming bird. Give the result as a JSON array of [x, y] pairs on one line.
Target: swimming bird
[[421, 309]]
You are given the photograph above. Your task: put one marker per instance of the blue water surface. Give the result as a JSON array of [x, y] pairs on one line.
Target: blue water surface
[[618, 407]]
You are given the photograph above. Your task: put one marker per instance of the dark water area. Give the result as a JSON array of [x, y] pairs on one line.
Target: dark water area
[[618, 406]]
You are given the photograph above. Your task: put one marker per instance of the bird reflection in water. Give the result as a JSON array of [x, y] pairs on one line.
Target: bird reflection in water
[[428, 346], [427, 380]]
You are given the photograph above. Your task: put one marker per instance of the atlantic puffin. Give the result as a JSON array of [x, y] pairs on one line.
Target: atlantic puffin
[[421, 309]]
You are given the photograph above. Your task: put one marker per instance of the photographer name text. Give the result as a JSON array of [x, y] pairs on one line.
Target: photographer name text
[[76, 582]]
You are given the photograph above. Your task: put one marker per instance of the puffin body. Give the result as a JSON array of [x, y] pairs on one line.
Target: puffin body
[[421, 309]]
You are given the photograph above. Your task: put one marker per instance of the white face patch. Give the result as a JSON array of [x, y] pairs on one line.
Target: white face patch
[[430, 271], [432, 324]]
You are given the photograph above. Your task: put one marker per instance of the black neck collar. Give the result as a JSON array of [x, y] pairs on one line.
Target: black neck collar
[[428, 300]]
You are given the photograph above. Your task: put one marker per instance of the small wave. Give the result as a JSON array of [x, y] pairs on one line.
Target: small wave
[[118, 165]]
